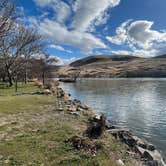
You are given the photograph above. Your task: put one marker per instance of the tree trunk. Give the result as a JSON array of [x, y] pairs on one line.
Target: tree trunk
[[26, 76], [26, 73], [9, 79], [16, 83], [43, 77]]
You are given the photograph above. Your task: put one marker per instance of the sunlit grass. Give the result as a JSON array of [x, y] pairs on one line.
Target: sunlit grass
[[22, 87]]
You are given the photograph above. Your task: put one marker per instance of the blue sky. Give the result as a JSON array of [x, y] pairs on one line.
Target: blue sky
[[77, 28]]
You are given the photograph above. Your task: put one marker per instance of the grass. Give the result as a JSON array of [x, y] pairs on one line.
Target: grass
[[14, 104], [22, 87], [35, 132]]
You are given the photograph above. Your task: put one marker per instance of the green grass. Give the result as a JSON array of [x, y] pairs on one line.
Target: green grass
[[14, 104], [4, 90], [35, 134]]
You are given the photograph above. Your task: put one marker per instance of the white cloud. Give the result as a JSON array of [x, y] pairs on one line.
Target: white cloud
[[69, 24], [58, 33], [121, 34], [122, 52], [87, 11], [43, 3], [61, 9], [140, 33], [140, 38], [65, 61], [60, 48]]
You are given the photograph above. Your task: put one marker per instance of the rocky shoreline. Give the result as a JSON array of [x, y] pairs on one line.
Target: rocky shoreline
[[138, 148]]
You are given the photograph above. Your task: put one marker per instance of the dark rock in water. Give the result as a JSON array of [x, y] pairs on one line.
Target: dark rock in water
[[109, 125], [77, 101], [151, 147], [152, 163], [147, 156], [68, 80], [83, 106], [128, 139]]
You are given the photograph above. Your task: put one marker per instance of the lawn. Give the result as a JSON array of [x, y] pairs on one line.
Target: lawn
[[33, 133], [22, 87]]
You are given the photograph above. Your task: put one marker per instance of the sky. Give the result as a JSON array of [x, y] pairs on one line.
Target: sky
[[73, 29]]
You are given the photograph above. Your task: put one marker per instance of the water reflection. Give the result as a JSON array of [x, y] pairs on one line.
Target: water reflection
[[138, 104]]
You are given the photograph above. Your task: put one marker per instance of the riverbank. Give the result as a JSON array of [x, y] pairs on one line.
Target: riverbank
[[36, 132], [140, 148]]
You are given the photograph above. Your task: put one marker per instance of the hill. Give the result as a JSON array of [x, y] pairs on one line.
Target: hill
[[100, 59], [116, 66]]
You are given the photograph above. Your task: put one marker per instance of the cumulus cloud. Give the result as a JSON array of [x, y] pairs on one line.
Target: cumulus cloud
[[71, 23], [141, 33], [88, 11], [58, 33], [61, 9], [140, 38], [121, 34]]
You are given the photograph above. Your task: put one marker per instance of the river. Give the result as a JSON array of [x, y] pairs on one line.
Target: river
[[137, 104]]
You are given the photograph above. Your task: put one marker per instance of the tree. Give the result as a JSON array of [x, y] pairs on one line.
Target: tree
[[7, 17], [15, 48], [43, 64]]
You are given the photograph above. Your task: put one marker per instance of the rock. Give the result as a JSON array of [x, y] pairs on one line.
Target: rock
[[77, 101], [1, 157], [147, 156], [151, 147], [83, 106], [124, 135], [80, 109], [67, 96], [7, 161], [152, 163], [75, 113], [109, 125], [47, 92], [141, 144], [119, 162], [60, 109], [96, 127]]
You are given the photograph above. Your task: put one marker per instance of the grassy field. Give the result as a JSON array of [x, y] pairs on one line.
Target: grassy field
[[22, 87], [33, 133]]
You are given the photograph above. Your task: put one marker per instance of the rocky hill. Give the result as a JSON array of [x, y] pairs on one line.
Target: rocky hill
[[115, 66]]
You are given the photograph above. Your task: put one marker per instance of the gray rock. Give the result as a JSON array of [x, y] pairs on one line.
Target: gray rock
[[151, 147], [147, 156], [152, 163]]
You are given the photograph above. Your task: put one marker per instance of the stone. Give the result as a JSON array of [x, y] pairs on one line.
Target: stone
[[147, 156], [119, 162], [75, 113], [47, 92], [1, 157], [141, 144], [151, 147], [152, 163], [67, 96]]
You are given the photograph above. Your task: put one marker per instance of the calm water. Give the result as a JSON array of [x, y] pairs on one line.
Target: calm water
[[138, 104]]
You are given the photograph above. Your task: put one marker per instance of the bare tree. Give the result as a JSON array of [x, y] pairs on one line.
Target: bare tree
[[15, 46], [44, 63], [7, 17]]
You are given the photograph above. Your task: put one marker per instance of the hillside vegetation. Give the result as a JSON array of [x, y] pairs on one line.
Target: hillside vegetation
[[116, 66]]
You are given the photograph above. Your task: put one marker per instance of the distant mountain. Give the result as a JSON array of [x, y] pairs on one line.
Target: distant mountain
[[101, 59], [115, 66], [161, 56]]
